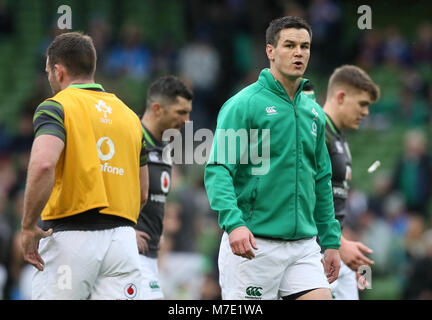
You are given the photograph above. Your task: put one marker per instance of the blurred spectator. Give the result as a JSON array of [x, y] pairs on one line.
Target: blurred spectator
[[422, 47], [370, 50], [413, 109], [419, 280], [4, 140], [199, 63], [380, 190], [131, 57], [100, 32], [8, 176], [23, 140], [413, 240], [412, 176], [325, 18], [356, 206], [377, 235], [165, 56], [395, 47], [396, 215]]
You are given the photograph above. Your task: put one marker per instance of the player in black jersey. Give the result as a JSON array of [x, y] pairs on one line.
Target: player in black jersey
[[349, 94], [168, 105]]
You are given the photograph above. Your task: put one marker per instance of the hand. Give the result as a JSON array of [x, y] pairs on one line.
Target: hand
[[142, 239], [30, 242], [351, 253], [241, 240], [331, 263]]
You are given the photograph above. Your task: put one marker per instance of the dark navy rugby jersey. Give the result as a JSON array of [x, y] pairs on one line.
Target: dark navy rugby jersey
[[151, 216]]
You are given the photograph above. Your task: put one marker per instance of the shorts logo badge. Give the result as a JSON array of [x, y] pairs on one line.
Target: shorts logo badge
[[253, 292], [130, 291], [154, 285]]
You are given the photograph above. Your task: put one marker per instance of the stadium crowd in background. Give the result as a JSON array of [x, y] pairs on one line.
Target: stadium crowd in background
[[224, 38]]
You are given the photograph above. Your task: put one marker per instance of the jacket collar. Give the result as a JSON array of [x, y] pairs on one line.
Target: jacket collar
[[267, 80], [88, 86]]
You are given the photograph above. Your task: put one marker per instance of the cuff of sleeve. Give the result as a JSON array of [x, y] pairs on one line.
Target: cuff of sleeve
[[232, 227], [332, 246], [230, 220]]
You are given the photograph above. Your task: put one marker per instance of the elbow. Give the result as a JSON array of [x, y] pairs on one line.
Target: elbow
[[44, 167]]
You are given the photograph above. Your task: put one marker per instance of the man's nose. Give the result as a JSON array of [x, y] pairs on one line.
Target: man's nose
[[297, 51]]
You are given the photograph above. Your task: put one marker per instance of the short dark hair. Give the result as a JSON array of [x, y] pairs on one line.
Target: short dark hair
[[75, 51], [168, 88], [356, 78], [275, 27]]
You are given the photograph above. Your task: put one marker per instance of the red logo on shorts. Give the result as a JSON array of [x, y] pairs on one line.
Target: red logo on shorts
[[130, 291]]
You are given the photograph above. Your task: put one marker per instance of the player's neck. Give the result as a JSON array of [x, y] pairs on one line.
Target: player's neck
[[333, 114], [152, 126], [67, 83], [290, 85]]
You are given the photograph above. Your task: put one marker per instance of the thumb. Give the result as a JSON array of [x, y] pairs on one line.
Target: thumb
[[47, 233], [252, 241]]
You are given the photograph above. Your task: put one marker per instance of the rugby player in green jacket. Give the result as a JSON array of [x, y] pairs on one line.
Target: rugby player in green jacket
[[273, 206]]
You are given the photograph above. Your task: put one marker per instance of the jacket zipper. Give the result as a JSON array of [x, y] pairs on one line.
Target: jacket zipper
[[297, 151], [297, 161]]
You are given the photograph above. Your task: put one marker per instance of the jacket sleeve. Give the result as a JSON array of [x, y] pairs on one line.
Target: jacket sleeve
[[329, 231], [221, 168]]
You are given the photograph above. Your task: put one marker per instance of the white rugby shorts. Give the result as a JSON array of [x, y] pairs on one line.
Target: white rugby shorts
[[345, 286], [279, 269], [95, 265], [150, 283]]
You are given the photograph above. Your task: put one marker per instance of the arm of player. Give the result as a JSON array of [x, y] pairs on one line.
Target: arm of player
[[331, 264], [45, 153], [144, 184], [219, 184]]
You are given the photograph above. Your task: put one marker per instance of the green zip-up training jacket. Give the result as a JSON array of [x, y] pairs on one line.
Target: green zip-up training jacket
[[278, 182]]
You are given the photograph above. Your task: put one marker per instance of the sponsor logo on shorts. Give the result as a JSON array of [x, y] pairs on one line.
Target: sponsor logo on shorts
[[253, 292], [154, 285], [130, 291]]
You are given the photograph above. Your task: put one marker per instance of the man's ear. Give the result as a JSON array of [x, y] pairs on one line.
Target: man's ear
[[270, 52], [59, 72], [340, 96], [156, 108]]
